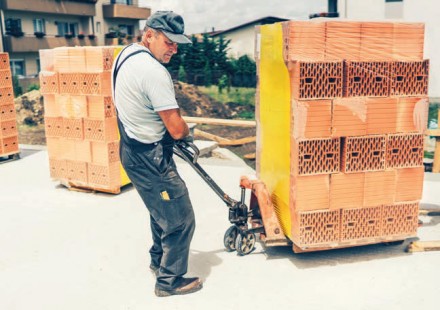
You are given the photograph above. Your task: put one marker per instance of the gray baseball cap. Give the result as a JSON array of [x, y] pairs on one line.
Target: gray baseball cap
[[171, 24]]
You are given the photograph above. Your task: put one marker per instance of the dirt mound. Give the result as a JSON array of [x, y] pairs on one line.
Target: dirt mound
[[30, 108], [194, 103]]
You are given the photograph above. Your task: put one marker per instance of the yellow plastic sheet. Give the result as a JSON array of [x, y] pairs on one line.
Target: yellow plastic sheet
[[273, 117]]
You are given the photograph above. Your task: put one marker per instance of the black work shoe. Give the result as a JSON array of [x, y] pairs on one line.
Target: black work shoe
[[154, 269], [188, 286]]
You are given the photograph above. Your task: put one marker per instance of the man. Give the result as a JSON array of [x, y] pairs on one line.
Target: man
[[149, 122]]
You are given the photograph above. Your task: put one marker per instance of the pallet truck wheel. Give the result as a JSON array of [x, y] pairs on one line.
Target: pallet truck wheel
[[245, 243], [230, 237]]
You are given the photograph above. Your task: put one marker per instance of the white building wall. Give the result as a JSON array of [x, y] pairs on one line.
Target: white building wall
[[242, 42], [425, 11]]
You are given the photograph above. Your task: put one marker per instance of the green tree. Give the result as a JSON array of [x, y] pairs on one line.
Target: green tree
[[182, 74], [18, 90]]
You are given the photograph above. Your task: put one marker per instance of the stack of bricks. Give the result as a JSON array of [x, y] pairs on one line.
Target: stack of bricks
[[358, 114], [80, 118], [8, 118]]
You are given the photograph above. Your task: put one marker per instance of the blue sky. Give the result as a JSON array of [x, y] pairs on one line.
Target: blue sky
[[203, 15]]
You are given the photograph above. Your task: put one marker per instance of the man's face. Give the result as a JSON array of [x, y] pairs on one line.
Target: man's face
[[161, 47]]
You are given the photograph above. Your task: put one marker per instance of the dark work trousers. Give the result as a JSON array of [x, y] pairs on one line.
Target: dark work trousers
[[153, 173]]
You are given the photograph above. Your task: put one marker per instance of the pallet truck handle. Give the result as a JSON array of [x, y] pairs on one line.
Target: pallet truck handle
[[183, 145]]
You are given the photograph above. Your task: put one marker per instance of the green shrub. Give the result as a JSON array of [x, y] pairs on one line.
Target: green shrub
[[32, 87]]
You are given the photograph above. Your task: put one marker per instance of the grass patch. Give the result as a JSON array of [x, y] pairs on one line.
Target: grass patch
[[239, 95]]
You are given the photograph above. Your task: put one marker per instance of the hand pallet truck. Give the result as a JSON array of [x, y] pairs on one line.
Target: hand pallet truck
[[258, 218]]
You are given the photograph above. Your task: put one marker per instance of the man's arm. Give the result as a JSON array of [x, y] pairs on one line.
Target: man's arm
[[174, 123]]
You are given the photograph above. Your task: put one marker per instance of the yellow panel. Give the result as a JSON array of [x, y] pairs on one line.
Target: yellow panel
[[273, 119], [124, 177]]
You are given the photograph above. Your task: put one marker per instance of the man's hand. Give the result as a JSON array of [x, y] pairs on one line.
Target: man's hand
[[189, 138]]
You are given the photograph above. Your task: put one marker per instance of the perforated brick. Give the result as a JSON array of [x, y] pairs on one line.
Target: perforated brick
[[54, 126], [349, 117], [346, 190], [77, 171], [379, 187], [367, 78], [409, 184], [101, 130], [404, 150], [366, 153], [7, 112], [409, 78], [303, 40], [5, 78], [100, 107], [361, 223], [412, 114], [49, 82], [381, 115], [6, 95], [51, 108], [99, 58], [400, 219], [104, 176], [73, 128], [312, 118], [309, 192], [316, 227], [70, 83], [10, 145], [105, 152], [316, 80], [8, 128], [96, 84], [316, 156], [4, 61], [58, 168]]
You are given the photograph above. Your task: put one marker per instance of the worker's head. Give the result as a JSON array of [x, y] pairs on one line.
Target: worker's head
[[163, 31]]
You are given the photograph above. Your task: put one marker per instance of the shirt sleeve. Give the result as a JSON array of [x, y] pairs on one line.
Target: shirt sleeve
[[160, 90]]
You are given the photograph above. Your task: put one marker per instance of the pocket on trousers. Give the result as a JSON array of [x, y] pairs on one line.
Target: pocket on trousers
[[175, 203]]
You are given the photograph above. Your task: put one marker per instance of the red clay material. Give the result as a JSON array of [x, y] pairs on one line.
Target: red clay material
[[316, 156], [404, 150], [365, 153], [366, 78]]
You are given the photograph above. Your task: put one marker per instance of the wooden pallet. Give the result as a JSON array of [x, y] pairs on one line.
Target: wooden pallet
[[4, 158], [71, 186]]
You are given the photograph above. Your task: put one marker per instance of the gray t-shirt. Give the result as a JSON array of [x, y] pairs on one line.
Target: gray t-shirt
[[143, 88]]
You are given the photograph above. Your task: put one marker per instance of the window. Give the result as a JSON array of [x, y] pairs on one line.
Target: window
[[127, 2], [65, 28], [38, 65], [17, 67], [98, 27], [13, 25], [39, 25], [127, 29]]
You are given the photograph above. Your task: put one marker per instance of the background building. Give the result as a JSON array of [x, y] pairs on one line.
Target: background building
[[409, 11], [30, 25]]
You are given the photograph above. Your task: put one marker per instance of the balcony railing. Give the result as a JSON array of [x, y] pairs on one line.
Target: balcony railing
[[81, 8], [34, 44], [119, 10]]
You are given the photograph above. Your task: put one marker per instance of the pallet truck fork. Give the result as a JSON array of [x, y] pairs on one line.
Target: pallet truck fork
[[258, 218]]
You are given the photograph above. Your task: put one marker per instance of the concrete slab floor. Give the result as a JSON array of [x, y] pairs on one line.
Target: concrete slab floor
[[61, 249]]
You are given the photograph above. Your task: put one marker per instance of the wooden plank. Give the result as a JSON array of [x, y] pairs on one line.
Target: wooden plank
[[250, 156], [238, 141], [423, 246], [219, 121], [210, 136]]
